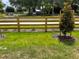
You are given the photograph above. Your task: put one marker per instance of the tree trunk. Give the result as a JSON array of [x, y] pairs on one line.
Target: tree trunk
[[60, 33], [64, 34], [29, 10], [70, 34]]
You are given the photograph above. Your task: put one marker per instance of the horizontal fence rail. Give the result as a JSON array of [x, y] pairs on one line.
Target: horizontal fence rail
[[33, 22]]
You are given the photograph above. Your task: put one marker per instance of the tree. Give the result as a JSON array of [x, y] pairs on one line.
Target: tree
[[47, 7], [67, 20], [75, 5], [19, 9], [1, 6], [28, 4], [57, 8], [31, 5]]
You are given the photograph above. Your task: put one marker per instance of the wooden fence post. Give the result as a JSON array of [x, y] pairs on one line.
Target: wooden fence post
[[18, 24], [45, 24]]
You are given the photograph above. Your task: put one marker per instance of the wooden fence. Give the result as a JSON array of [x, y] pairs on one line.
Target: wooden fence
[[48, 22]]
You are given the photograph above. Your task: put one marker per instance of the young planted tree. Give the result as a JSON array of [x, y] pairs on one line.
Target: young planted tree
[[67, 20]]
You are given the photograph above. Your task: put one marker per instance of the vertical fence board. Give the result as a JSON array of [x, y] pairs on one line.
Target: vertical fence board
[[45, 24], [18, 24]]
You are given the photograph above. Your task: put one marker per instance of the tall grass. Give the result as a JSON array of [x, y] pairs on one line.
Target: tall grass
[[38, 45]]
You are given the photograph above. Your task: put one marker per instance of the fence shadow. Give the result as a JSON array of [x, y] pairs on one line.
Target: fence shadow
[[68, 40]]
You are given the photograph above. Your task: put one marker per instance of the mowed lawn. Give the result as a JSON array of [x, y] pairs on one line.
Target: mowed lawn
[[38, 45]]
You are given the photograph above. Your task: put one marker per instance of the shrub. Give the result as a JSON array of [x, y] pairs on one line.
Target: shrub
[[67, 20]]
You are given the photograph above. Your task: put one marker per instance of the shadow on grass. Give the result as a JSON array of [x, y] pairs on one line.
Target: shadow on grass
[[68, 40]]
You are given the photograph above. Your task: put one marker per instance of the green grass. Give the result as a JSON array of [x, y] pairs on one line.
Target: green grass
[[2, 15], [38, 45]]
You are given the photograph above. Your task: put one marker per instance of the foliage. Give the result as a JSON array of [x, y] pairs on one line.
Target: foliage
[[24, 3], [31, 5], [1, 5], [47, 7]]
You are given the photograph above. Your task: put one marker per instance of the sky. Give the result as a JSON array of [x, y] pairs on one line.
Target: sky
[[6, 2]]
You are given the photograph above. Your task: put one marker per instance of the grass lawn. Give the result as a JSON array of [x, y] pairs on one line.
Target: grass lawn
[[38, 45]]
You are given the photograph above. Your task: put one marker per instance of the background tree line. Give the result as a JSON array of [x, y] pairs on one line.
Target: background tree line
[[44, 7]]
